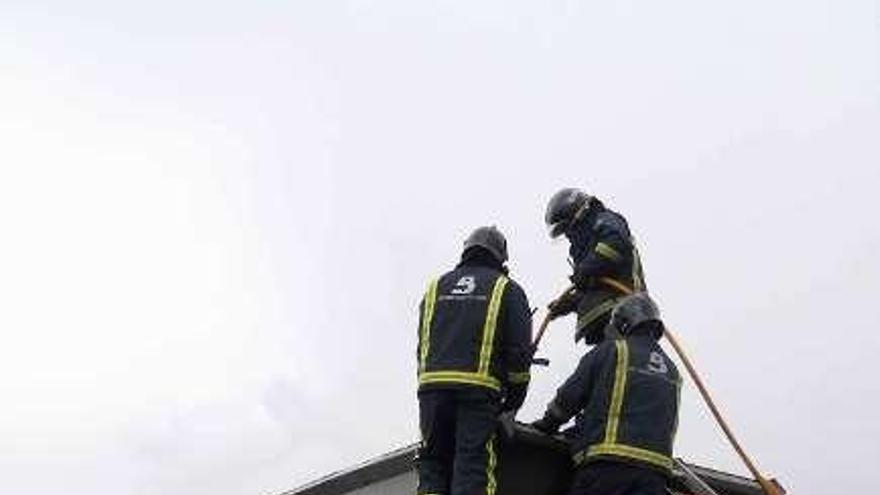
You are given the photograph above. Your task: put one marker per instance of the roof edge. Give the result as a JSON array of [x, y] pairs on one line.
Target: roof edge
[[400, 461]]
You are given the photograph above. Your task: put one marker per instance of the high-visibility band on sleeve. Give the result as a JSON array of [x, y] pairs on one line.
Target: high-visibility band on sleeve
[[638, 274], [427, 316], [519, 377], [608, 252]]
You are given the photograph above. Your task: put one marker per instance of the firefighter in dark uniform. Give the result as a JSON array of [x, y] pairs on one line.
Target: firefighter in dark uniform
[[603, 257], [624, 395], [473, 365]]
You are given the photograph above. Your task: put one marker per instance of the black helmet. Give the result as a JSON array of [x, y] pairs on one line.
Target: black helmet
[[634, 311], [491, 239], [564, 208]]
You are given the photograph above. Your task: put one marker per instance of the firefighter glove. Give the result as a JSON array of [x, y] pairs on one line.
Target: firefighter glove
[[581, 280], [566, 304], [547, 425]]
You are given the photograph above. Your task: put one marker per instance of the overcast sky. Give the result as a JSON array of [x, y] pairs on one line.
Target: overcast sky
[[218, 220]]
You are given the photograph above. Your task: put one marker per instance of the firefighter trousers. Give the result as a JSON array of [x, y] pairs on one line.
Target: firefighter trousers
[[617, 478], [458, 452]]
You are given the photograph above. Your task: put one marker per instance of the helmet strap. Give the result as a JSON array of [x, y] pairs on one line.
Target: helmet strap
[[581, 211]]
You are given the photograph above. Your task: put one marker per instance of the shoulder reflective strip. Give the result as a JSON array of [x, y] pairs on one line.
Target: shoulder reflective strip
[[490, 324], [617, 392], [519, 377], [608, 252], [427, 316], [621, 450], [460, 377], [491, 484], [596, 312]]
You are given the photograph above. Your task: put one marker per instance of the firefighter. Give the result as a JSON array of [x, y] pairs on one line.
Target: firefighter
[[473, 365], [603, 256], [625, 395]]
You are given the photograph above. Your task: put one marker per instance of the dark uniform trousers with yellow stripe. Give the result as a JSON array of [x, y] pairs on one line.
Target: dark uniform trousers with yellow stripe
[[459, 452], [605, 259], [625, 396], [474, 355]]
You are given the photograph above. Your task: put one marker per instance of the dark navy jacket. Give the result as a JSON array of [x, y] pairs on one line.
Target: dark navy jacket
[[625, 394], [475, 331], [602, 246]]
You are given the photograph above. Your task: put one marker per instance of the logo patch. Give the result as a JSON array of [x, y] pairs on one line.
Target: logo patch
[[465, 285]]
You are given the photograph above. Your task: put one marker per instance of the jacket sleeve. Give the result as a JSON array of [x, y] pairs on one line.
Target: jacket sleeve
[[419, 334], [612, 250], [573, 395], [516, 346]]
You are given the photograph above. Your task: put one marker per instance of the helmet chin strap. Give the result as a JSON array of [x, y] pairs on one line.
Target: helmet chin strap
[[581, 211]]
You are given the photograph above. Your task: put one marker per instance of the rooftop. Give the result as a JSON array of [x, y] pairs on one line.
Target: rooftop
[[531, 463]]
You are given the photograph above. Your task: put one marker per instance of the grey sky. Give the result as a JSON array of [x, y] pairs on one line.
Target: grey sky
[[217, 221]]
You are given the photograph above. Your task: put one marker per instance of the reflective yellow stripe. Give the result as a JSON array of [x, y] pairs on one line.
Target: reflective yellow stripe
[[617, 392], [621, 450], [490, 466], [427, 316], [610, 446], [608, 252], [519, 377], [459, 377], [481, 377], [596, 312], [637, 275], [489, 326]]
